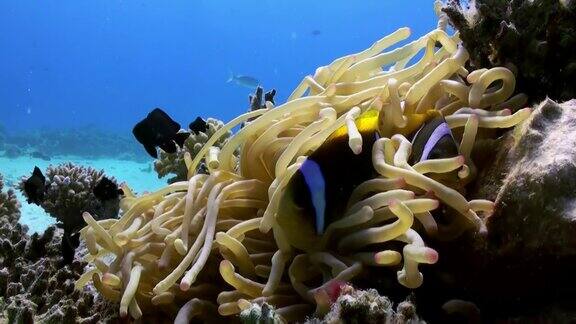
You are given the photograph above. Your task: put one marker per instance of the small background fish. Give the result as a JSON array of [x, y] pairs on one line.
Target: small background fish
[[243, 80]]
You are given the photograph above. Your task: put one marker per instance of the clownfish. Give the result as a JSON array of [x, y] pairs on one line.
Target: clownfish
[[318, 193]]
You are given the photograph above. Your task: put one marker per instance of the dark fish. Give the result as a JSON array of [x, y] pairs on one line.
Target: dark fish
[[40, 155], [433, 140], [318, 193], [159, 130], [316, 32], [198, 125], [35, 187], [107, 189], [269, 96], [68, 246]]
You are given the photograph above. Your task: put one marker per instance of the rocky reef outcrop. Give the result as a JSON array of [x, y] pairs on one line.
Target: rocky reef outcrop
[[34, 285], [537, 37], [523, 267], [173, 163]]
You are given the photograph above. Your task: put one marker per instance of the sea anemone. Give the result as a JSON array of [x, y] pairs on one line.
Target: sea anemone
[[169, 246]]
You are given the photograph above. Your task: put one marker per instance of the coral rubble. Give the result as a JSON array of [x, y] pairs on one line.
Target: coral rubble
[[367, 306], [537, 37], [260, 314], [173, 163]]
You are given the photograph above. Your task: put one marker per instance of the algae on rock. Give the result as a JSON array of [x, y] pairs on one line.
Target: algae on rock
[[537, 37]]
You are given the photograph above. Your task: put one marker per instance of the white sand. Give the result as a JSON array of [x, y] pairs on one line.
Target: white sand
[[133, 173]]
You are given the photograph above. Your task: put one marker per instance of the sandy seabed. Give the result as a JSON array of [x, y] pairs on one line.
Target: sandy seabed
[[140, 176]]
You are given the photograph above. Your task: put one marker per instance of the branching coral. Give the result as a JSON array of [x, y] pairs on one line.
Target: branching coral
[[70, 192], [9, 205], [165, 244], [174, 162], [34, 287]]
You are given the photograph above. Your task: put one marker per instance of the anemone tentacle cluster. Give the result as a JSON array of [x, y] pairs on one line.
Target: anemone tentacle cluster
[[166, 243]]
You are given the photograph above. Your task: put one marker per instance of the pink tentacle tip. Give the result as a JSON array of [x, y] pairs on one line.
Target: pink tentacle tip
[[490, 212], [329, 293], [506, 112], [401, 182], [393, 203], [184, 286], [430, 194], [431, 255], [461, 160]]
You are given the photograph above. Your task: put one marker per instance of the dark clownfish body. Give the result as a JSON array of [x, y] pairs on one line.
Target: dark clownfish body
[[318, 193], [433, 140]]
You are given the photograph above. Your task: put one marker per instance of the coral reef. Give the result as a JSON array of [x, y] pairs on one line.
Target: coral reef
[[367, 306], [9, 205], [70, 192], [173, 163], [260, 314], [231, 224], [523, 266], [536, 37], [34, 286], [88, 141]]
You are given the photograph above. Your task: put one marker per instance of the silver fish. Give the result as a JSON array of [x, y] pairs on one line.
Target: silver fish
[[243, 80]]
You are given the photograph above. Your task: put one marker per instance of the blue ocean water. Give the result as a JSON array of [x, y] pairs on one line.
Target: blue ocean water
[[72, 63], [70, 68]]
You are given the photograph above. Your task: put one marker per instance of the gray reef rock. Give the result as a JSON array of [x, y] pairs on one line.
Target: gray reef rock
[[524, 266]]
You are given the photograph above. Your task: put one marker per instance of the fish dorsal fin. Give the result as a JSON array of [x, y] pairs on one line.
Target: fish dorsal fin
[[180, 138], [366, 122]]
